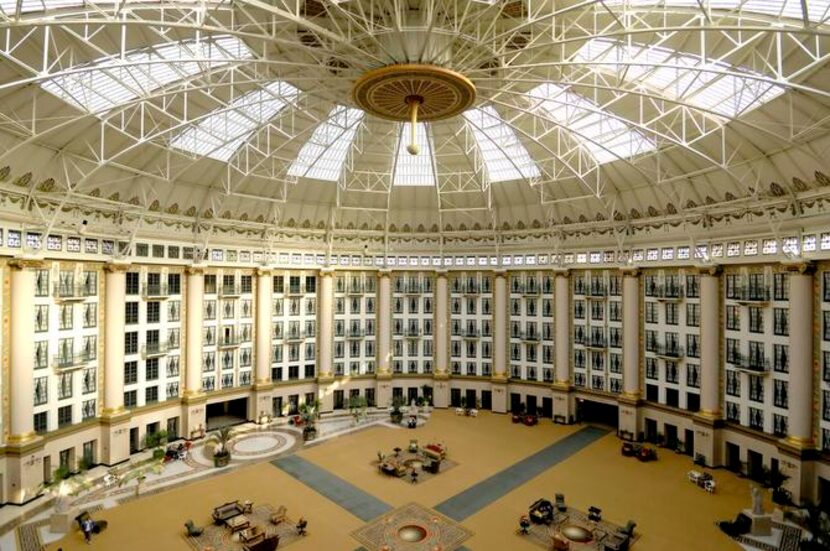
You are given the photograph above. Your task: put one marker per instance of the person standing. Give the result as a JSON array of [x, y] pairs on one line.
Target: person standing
[[87, 526]]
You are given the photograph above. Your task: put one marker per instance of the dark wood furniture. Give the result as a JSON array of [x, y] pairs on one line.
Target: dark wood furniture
[[541, 512], [266, 544], [226, 511]]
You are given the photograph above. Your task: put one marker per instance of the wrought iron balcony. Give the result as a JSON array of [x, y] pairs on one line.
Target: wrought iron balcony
[[596, 341], [669, 350], [751, 364], [230, 290], [749, 293], [355, 333], [64, 362], [156, 290], [155, 349], [74, 292]]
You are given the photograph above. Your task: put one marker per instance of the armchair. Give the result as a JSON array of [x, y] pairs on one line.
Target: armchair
[[279, 515], [266, 544]]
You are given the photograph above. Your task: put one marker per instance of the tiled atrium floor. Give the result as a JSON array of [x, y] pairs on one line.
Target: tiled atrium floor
[[670, 512]]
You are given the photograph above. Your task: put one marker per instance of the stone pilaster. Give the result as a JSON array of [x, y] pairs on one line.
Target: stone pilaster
[[562, 386], [325, 341], [629, 400], [708, 422], [195, 417], [115, 444], [500, 321]]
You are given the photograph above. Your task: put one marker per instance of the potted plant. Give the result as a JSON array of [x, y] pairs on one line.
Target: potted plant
[[309, 413], [396, 413], [156, 440], [139, 474], [776, 479], [220, 440], [357, 408]]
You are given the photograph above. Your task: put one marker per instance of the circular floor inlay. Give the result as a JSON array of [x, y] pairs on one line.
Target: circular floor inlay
[[412, 533], [256, 444], [577, 533]]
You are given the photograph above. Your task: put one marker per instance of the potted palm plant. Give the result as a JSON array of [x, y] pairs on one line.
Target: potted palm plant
[[396, 413], [220, 440], [156, 440], [310, 412]]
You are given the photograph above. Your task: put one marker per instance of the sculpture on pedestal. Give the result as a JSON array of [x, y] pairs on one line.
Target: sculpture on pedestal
[[757, 501]]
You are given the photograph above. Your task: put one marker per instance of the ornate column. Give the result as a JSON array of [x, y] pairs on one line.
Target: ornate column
[[562, 386], [115, 447], [441, 348], [500, 320], [628, 401], [193, 398], [798, 448], [325, 340], [263, 352], [24, 449], [708, 421], [384, 339]]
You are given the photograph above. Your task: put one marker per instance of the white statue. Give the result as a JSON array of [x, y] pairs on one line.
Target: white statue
[[757, 501]]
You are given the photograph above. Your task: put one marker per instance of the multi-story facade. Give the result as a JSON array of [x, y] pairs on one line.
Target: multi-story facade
[[706, 357]]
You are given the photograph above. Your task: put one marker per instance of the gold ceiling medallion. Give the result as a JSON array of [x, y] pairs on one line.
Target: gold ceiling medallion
[[413, 91]]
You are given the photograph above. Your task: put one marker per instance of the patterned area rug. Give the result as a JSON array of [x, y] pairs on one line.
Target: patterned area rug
[[416, 461], [28, 535], [220, 538], [541, 534], [412, 528], [790, 539]]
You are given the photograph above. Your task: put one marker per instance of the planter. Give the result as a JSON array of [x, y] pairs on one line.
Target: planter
[[158, 453], [221, 460], [396, 417], [309, 433]]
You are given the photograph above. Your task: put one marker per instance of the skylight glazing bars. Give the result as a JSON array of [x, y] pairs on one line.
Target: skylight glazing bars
[[9, 7], [322, 157], [604, 136], [817, 9], [504, 155], [108, 82], [682, 76], [414, 170], [221, 134]]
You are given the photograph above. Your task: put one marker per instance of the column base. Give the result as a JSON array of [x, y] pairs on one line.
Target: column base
[[195, 415], [708, 448], [325, 393], [628, 406], [563, 403], [498, 384], [24, 468], [383, 394], [441, 390]]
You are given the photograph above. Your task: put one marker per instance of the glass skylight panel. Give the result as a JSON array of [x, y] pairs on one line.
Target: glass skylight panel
[[414, 170], [221, 134], [504, 155], [111, 81], [817, 9], [322, 157], [682, 76], [604, 136]]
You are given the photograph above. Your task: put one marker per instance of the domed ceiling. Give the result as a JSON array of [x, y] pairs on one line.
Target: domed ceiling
[[599, 119]]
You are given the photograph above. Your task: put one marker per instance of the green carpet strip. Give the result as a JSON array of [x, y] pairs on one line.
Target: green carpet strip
[[480, 495], [362, 505]]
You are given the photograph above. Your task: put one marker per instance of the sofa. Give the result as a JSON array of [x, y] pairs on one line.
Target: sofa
[[435, 451], [226, 511], [392, 468]]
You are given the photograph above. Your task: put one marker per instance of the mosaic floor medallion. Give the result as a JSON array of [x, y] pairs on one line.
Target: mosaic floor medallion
[[410, 528], [577, 533]]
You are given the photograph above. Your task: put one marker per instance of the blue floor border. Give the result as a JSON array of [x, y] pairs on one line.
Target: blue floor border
[[362, 505], [480, 495]]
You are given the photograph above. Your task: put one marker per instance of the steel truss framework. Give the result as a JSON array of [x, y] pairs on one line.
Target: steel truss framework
[[122, 162]]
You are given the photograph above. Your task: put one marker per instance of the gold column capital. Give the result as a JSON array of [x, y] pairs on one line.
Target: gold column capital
[[23, 263], [712, 270], [117, 267], [561, 272], [263, 271], [194, 269], [630, 271], [799, 266]]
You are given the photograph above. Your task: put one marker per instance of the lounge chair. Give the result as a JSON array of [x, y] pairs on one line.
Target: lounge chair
[[628, 529], [279, 515], [560, 503], [193, 531]]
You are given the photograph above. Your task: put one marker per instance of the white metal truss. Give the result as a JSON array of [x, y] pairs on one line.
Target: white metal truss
[[118, 151]]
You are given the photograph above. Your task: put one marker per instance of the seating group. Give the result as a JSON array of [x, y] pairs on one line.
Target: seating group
[[253, 537]]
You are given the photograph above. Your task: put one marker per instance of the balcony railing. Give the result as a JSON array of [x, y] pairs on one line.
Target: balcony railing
[[73, 361], [355, 334], [230, 290], [752, 364], [668, 292], [355, 289], [413, 289], [597, 291], [596, 341], [668, 350], [471, 288], [749, 293], [532, 288], [470, 333], [155, 349], [294, 336], [228, 341], [413, 332], [531, 336], [156, 290], [74, 292], [295, 290]]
